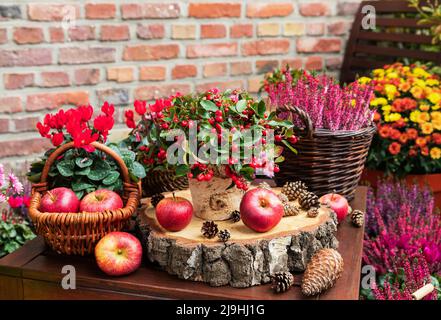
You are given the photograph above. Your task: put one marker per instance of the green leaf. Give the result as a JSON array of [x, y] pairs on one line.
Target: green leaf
[[209, 105], [290, 147], [111, 178], [81, 185], [138, 170], [79, 194], [279, 159], [66, 168], [282, 123], [35, 178], [83, 162], [99, 170], [261, 108], [83, 172], [181, 170], [241, 105], [128, 154]]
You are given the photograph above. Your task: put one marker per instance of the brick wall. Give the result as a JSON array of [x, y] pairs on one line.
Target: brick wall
[[122, 50]]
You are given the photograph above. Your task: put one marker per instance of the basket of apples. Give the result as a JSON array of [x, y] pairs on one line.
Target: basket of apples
[[83, 188]]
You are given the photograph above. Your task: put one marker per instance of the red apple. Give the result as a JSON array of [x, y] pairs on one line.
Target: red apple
[[118, 253], [101, 200], [174, 213], [338, 203], [59, 200], [261, 209]]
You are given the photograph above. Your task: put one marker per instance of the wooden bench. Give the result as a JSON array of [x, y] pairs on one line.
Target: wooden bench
[[34, 272], [397, 36]]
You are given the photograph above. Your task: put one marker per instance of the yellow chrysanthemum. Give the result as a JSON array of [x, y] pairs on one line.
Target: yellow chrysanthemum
[[386, 108], [394, 117], [417, 92], [392, 75], [390, 90], [424, 107], [434, 97], [436, 116], [432, 82], [420, 83], [435, 153], [436, 124], [426, 128], [423, 117], [378, 102], [436, 107], [378, 72], [414, 115], [420, 72], [405, 69], [364, 80]]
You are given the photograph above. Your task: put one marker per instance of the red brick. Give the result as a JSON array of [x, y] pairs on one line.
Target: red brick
[[4, 125], [54, 79], [151, 92], [150, 52], [10, 104], [268, 29], [315, 29], [3, 36], [183, 31], [56, 34], [25, 35], [347, 8], [265, 47], [120, 74], [100, 10], [333, 63], [213, 31], [150, 31], [150, 11], [18, 80], [214, 10], [79, 55], [308, 45], [221, 85], [152, 73], [10, 148], [25, 57], [241, 30], [314, 9], [215, 70], [268, 10], [81, 33], [53, 100], [253, 84], [114, 33], [240, 68], [295, 63], [211, 50], [184, 71], [264, 66], [338, 28], [52, 12], [23, 124], [314, 63], [87, 76], [116, 96]]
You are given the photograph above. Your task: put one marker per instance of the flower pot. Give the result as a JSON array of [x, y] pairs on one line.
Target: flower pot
[[212, 200], [432, 180]]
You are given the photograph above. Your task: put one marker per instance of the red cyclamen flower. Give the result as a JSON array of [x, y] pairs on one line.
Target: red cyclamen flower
[[140, 107]]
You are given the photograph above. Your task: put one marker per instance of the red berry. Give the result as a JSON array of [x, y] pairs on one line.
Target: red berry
[[263, 141], [211, 121], [201, 177], [184, 123], [278, 137], [219, 119], [276, 169], [293, 139], [190, 175], [164, 126], [218, 113]]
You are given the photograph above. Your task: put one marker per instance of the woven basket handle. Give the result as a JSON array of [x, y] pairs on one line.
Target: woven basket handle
[[59, 151], [304, 116]]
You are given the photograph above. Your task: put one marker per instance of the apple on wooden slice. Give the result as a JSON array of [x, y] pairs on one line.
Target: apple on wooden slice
[[174, 213], [338, 203]]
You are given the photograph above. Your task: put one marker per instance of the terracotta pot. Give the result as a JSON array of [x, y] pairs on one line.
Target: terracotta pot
[[433, 180]]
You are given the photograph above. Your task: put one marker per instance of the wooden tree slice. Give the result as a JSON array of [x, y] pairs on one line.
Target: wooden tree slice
[[247, 259]]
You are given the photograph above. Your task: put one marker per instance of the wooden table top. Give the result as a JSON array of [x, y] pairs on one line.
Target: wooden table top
[[34, 272]]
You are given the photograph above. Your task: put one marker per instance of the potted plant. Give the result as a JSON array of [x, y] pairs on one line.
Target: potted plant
[[408, 118], [334, 124], [215, 134]]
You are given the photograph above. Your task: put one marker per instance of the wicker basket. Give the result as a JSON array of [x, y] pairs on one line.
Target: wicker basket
[[327, 161], [78, 233], [158, 181]]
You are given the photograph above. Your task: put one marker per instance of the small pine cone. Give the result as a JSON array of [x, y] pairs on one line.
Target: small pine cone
[[309, 200], [154, 200], [209, 229], [235, 216], [357, 218], [264, 185], [224, 235], [283, 198], [312, 213], [321, 273], [293, 190], [290, 209], [282, 281]]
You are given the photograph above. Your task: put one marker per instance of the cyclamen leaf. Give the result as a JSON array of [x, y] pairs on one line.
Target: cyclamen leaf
[[83, 172], [209, 105], [99, 171], [138, 170], [128, 154], [111, 178], [81, 185], [83, 162], [66, 168]]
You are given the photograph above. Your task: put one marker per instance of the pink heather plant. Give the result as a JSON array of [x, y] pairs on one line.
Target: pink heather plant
[[416, 275], [329, 105]]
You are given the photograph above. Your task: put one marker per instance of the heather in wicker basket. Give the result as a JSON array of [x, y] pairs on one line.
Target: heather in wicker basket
[[335, 133]]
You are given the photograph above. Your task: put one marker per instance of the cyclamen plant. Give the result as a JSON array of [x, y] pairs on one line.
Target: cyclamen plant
[[212, 114], [84, 169], [329, 105]]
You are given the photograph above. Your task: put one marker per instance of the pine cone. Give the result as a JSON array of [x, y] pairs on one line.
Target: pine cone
[[154, 200], [312, 213], [282, 281], [290, 209], [224, 235], [293, 189], [209, 229], [309, 200], [283, 198], [264, 185], [357, 218], [325, 267], [235, 216]]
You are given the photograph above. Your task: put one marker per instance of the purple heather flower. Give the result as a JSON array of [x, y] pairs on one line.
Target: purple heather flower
[[2, 176], [16, 185], [2, 198]]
